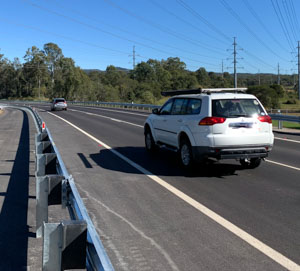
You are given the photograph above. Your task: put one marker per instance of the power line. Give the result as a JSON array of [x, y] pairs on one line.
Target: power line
[[255, 15], [295, 16], [158, 26], [202, 19], [258, 59], [238, 18], [139, 36], [249, 64], [112, 34], [282, 23], [62, 36], [289, 18], [166, 10]]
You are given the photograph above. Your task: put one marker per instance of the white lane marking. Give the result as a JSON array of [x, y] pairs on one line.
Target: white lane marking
[[105, 117], [119, 111], [265, 249], [280, 164], [286, 139], [117, 120]]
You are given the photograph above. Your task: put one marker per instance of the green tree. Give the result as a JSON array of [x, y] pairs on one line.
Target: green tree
[[53, 54], [266, 94], [203, 77], [35, 72]]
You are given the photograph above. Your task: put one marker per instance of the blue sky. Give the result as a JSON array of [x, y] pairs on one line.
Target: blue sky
[[98, 33]]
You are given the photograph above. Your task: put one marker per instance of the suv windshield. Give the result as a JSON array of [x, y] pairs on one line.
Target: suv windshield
[[231, 108]]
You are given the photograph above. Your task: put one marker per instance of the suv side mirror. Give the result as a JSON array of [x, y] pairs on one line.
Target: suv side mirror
[[155, 111]]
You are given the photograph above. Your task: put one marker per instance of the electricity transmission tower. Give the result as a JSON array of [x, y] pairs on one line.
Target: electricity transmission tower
[[235, 61], [133, 57], [278, 75]]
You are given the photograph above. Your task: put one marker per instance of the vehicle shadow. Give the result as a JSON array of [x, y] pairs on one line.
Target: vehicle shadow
[[14, 231], [162, 163]]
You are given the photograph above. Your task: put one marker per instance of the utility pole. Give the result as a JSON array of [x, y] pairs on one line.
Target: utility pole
[[39, 76], [234, 62], [259, 77], [278, 75], [222, 69], [299, 70], [294, 77], [133, 57]]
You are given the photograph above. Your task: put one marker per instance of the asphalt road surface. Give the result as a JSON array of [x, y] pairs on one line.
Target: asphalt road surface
[[153, 215]]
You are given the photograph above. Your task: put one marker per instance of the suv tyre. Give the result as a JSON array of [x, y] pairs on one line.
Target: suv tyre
[[149, 141], [185, 152]]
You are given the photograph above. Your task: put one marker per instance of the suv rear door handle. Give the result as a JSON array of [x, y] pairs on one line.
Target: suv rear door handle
[[180, 120]]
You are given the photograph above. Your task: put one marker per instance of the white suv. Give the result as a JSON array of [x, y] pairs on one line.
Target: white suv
[[215, 123]]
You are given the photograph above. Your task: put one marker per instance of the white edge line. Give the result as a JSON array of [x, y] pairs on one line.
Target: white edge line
[[280, 164], [119, 111], [126, 122], [265, 249], [110, 118], [286, 139]]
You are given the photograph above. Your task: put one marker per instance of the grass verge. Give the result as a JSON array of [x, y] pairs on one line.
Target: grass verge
[[286, 124]]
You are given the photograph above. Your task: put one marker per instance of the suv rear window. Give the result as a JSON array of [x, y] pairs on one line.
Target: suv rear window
[[59, 100], [232, 108]]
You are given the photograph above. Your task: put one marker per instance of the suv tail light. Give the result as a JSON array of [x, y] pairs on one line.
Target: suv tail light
[[265, 118], [211, 120]]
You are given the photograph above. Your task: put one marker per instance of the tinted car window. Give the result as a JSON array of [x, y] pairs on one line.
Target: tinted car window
[[236, 108], [59, 100], [193, 107], [178, 107], [166, 109]]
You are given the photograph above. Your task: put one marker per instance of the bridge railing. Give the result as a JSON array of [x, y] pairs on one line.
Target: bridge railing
[[276, 114], [68, 244]]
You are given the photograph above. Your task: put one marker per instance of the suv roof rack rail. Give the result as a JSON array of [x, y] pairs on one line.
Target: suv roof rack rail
[[202, 90]]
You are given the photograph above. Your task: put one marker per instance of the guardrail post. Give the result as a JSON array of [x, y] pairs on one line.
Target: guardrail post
[[46, 164], [42, 137], [64, 245], [74, 244], [48, 192], [52, 245], [279, 121], [64, 194], [44, 147], [41, 204]]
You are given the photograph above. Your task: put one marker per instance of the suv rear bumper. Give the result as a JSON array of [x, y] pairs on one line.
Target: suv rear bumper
[[235, 152]]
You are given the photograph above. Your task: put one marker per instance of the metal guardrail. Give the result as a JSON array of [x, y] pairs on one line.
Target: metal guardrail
[[282, 118], [149, 107], [65, 243], [285, 118]]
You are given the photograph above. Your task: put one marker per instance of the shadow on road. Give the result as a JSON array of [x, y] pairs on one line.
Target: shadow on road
[[14, 231], [162, 163]]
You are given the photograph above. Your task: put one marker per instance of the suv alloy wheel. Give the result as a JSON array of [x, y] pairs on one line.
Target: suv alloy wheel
[[186, 155], [149, 141]]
